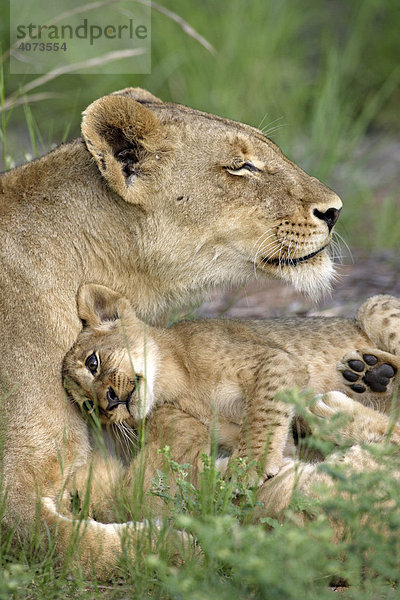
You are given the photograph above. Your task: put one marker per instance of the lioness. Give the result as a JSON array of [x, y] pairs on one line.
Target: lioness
[[159, 202], [229, 367]]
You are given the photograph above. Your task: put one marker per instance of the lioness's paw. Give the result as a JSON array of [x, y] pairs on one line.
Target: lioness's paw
[[368, 370]]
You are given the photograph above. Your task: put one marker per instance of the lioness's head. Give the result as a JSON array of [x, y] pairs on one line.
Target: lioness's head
[[219, 199], [111, 366]]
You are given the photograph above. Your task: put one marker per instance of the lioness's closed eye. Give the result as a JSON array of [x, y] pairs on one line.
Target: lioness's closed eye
[[229, 367]]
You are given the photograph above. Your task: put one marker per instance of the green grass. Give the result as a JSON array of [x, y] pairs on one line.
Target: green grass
[[235, 558]]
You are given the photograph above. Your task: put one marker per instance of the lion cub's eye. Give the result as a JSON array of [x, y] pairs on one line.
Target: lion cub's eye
[[246, 166], [92, 363]]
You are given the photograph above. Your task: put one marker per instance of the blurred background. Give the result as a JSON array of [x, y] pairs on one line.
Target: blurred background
[[321, 79]]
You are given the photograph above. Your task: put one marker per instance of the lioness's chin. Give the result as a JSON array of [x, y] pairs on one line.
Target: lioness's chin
[[312, 277]]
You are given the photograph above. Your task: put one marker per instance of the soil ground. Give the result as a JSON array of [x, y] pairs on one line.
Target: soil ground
[[367, 275]]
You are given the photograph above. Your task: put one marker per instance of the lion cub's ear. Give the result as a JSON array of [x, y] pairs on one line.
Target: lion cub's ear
[[125, 138], [97, 303]]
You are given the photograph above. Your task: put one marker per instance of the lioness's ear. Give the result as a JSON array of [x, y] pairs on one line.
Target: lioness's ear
[[97, 303], [124, 137], [138, 94]]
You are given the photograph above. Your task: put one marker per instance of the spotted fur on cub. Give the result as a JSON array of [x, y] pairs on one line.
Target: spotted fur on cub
[[227, 368]]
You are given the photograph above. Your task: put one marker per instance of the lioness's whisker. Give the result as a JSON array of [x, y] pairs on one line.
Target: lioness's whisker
[[268, 132], [292, 253], [336, 251], [264, 246], [280, 256], [271, 251], [262, 121], [263, 237], [274, 243], [261, 246], [342, 242], [267, 129]]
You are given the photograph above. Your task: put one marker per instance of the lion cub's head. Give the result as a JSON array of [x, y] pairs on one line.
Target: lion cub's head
[[111, 366]]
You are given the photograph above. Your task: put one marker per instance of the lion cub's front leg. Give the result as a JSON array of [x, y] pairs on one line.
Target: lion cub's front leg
[[266, 419]]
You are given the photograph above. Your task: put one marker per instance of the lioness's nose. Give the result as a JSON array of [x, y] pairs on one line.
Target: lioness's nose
[[330, 216]]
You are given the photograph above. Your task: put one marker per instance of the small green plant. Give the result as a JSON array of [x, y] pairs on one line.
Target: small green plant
[[350, 537], [12, 579], [349, 533], [212, 496]]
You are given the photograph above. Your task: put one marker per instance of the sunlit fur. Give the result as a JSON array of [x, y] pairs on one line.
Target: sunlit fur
[[229, 369]]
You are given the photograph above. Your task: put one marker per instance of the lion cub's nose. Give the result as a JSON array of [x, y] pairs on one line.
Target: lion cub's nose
[[112, 398], [330, 216]]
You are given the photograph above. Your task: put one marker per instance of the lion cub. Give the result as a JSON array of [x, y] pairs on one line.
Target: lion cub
[[227, 368]]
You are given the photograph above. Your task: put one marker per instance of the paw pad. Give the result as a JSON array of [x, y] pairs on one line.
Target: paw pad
[[368, 373], [379, 378], [370, 359], [357, 365]]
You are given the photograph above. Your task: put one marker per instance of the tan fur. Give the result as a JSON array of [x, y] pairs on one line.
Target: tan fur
[[188, 438], [155, 203], [226, 368], [365, 426]]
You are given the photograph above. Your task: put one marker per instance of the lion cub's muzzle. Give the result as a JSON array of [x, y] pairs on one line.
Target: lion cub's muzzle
[[120, 391], [114, 400]]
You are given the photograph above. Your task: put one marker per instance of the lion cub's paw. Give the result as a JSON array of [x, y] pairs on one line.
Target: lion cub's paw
[[272, 468], [327, 405], [255, 475], [255, 480], [368, 370]]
